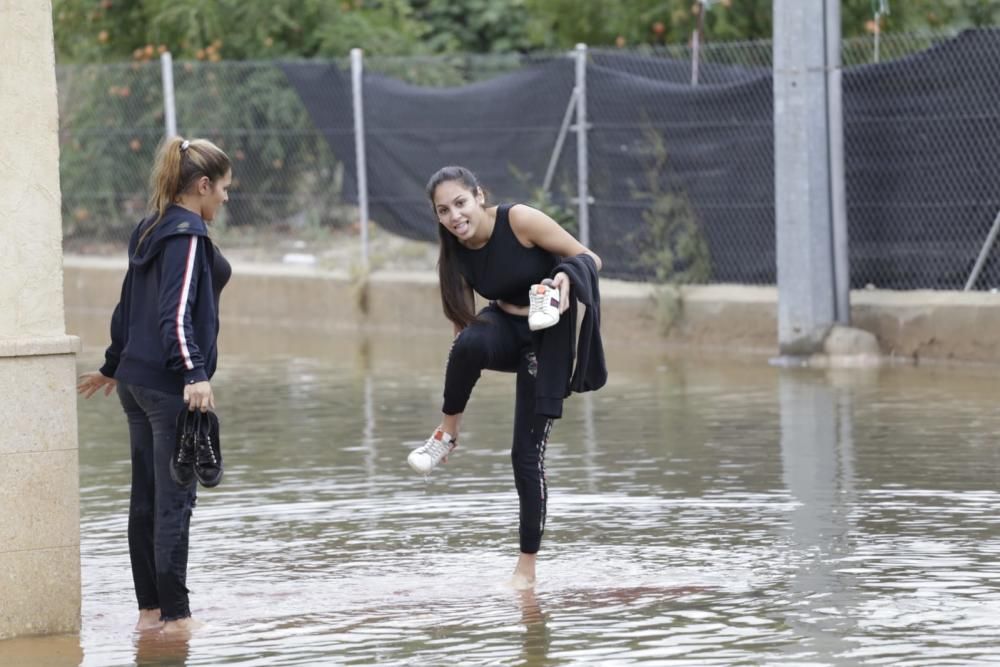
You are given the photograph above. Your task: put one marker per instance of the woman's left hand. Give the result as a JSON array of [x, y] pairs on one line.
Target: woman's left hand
[[561, 280]]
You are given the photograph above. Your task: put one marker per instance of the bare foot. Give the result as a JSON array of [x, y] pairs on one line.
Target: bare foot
[[182, 626], [524, 573], [149, 619], [521, 583]]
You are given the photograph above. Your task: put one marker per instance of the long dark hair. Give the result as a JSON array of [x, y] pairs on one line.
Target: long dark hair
[[178, 164], [454, 290]]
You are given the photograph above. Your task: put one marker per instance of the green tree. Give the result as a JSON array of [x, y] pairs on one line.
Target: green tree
[[630, 23], [915, 15], [673, 247], [560, 24], [476, 26], [115, 30], [233, 29], [110, 122]]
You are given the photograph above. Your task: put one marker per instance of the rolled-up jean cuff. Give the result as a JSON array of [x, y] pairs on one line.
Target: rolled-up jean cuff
[[177, 617]]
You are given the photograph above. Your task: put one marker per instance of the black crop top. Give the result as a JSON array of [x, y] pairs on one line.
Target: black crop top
[[503, 268], [222, 271]]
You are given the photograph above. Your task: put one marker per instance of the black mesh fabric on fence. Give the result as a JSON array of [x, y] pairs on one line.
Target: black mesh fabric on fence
[[672, 164], [497, 128], [923, 164], [682, 176]]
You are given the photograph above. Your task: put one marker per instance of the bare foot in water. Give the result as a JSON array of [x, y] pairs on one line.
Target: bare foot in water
[[149, 619], [524, 573], [182, 626]]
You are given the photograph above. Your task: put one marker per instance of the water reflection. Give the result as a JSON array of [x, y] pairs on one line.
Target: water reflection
[[700, 513], [537, 638], [51, 651], [153, 649], [818, 470], [589, 440]]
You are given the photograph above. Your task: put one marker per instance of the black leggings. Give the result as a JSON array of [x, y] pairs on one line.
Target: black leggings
[[502, 342]]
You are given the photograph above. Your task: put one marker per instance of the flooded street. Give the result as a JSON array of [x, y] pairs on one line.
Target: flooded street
[[700, 512]]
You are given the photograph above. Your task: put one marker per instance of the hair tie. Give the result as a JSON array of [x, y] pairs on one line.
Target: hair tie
[[185, 145]]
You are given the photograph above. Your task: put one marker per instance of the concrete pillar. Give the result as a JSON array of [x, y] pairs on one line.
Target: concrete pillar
[[804, 192], [39, 472]]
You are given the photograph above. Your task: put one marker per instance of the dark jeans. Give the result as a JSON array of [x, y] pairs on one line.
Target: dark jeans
[[502, 342], [159, 513]]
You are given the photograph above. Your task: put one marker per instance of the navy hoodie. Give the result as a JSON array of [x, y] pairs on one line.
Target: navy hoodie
[[165, 327]]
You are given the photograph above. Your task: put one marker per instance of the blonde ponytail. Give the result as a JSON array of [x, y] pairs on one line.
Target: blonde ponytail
[[180, 163]]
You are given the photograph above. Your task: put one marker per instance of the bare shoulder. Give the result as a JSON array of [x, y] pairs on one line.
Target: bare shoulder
[[522, 215], [534, 228], [528, 222]]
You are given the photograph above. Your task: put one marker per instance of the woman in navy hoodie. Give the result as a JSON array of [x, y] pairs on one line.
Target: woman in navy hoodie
[[161, 358]]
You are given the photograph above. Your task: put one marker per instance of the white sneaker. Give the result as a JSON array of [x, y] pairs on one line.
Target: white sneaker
[[436, 449], [543, 305]]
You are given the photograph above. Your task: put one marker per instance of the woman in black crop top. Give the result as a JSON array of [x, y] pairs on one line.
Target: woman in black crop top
[[498, 252]]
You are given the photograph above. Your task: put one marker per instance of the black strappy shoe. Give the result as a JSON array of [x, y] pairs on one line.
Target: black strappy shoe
[[207, 451], [182, 460]]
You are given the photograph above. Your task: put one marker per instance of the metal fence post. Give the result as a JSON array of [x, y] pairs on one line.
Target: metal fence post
[[582, 175], [838, 188], [883, 10], [695, 56], [696, 39], [169, 109], [984, 252], [550, 171], [357, 67]]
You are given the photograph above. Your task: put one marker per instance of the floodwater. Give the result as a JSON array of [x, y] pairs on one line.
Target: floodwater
[[701, 512]]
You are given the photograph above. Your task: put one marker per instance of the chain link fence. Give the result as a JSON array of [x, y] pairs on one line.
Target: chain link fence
[[679, 152], [287, 186]]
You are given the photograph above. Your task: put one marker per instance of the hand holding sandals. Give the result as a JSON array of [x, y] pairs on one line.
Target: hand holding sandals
[[198, 396]]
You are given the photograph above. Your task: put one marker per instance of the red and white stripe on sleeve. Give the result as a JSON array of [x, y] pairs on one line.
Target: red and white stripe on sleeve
[[182, 303]]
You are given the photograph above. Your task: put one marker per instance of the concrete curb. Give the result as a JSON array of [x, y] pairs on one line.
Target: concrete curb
[[917, 325]]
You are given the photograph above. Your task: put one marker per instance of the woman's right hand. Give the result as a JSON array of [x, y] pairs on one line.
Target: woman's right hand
[[89, 383], [198, 396]]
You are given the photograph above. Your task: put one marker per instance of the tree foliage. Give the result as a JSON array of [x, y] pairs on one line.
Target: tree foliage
[[233, 29], [475, 26], [112, 116], [115, 30]]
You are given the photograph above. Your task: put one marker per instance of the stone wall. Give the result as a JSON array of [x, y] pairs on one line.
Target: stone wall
[[39, 479]]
